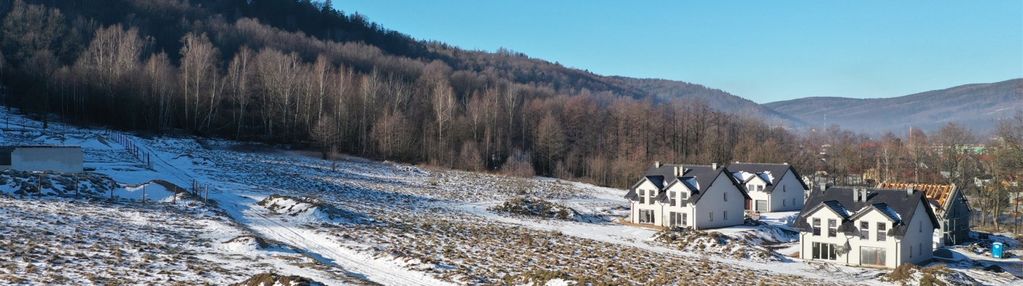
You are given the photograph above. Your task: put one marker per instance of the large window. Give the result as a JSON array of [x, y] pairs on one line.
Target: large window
[[675, 219], [653, 194], [872, 256], [646, 216], [817, 226], [882, 232], [671, 198], [864, 230], [683, 195], [642, 196], [832, 228], [685, 219], [725, 196], [724, 215], [824, 251]]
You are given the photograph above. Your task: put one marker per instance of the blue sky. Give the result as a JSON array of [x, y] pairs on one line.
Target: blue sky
[[762, 50]]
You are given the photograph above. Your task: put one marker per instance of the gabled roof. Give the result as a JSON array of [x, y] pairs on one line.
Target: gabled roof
[[895, 204], [697, 178], [773, 172], [941, 194]]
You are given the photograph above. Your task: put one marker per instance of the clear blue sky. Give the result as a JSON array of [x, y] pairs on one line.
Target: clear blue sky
[[762, 50]]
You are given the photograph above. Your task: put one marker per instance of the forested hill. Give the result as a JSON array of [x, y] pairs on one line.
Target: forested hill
[[301, 73]]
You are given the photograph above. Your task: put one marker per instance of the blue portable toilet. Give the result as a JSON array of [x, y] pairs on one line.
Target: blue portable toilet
[[997, 249]]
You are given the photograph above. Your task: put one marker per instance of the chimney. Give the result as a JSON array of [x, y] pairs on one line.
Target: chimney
[[909, 192], [714, 166], [856, 194], [823, 186], [678, 170], [657, 164]]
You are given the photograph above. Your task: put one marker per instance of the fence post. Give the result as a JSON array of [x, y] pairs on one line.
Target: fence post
[[144, 193]]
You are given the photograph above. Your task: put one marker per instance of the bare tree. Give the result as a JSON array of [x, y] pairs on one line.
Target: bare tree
[[238, 74]]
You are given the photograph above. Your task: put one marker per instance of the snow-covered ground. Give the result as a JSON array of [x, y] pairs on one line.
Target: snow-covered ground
[[357, 221]]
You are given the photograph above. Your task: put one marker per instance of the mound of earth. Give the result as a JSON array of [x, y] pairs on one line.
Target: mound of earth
[[310, 209], [711, 242], [536, 207], [273, 279], [909, 274]]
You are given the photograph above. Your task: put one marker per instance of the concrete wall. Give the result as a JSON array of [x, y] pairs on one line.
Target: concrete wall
[[55, 159]]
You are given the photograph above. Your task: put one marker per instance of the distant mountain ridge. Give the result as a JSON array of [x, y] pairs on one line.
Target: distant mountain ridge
[[977, 106]]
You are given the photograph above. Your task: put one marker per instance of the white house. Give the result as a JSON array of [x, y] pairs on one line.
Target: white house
[[771, 187], [692, 196], [867, 227], [63, 159]]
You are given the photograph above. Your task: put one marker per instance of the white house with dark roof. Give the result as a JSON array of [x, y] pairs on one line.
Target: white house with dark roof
[[867, 227], [771, 187], [690, 196]]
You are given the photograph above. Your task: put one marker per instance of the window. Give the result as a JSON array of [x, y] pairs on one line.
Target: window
[[642, 196], [910, 251], [882, 232], [724, 215], [826, 251], [674, 219], [783, 188], [685, 219], [760, 187], [864, 230], [710, 215], [653, 194], [646, 216], [832, 228], [920, 227], [671, 197], [683, 195], [783, 203], [725, 196], [816, 226], [872, 256]]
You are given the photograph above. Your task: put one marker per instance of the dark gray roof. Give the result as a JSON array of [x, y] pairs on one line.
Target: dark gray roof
[[896, 204], [777, 172], [696, 177]]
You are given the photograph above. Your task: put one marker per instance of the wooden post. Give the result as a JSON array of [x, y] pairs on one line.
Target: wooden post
[[144, 194]]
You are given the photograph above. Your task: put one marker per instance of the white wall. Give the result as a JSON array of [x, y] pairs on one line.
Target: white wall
[[788, 190], [920, 233], [650, 190], [713, 202], [56, 159]]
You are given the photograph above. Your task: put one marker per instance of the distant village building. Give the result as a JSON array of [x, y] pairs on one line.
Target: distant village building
[[771, 187], [867, 227], [62, 159], [950, 206], [690, 196]]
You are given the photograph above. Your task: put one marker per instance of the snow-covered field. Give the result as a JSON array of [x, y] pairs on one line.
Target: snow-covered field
[[350, 221]]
